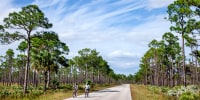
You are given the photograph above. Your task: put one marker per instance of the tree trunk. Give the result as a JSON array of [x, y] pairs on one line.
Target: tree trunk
[[146, 76], [48, 78], [86, 72], [183, 55], [36, 79], [196, 69], [98, 77], [33, 78], [45, 81], [3, 78], [10, 75], [163, 77], [93, 74], [27, 64], [156, 69], [171, 73]]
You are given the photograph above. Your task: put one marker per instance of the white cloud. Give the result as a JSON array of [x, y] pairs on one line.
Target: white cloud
[[47, 3], [123, 59], [153, 28], [4, 5], [86, 19], [85, 28], [119, 53], [5, 9], [133, 44], [107, 27], [152, 4]]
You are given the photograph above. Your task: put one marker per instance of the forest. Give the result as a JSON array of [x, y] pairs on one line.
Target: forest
[[42, 63], [174, 60], [166, 63], [170, 66]]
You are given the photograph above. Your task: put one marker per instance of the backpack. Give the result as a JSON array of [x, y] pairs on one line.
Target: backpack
[[87, 87]]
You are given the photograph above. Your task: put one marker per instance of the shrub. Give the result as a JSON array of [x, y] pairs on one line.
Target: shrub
[[181, 90], [68, 86], [17, 93], [4, 93], [172, 93], [188, 96], [41, 87], [191, 92], [54, 84], [154, 89], [34, 93], [192, 88], [164, 89], [88, 81], [81, 87], [105, 85]]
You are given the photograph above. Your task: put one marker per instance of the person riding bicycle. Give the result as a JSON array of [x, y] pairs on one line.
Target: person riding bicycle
[[87, 88], [75, 87]]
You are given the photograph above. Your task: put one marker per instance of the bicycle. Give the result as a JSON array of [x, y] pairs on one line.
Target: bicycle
[[74, 94], [87, 88], [86, 93]]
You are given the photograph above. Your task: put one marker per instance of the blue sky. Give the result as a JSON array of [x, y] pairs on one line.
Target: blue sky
[[119, 29]]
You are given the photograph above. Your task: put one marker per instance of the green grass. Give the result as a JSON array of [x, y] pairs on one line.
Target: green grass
[[58, 94], [141, 92]]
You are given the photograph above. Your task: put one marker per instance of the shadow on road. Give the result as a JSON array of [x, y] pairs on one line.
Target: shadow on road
[[107, 90], [87, 97]]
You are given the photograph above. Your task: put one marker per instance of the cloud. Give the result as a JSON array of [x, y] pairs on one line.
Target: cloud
[[123, 59], [109, 31], [119, 29], [87, 19], [153, 4], [119, 53], [5, 8], [47, 3], [133, 44], [153, 28], [6, 4]]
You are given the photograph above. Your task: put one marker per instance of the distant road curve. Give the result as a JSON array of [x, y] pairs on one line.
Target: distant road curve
[[121, 92]]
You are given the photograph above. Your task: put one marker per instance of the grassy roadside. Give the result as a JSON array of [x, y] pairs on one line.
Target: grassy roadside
[[141, 92], [60, 94]]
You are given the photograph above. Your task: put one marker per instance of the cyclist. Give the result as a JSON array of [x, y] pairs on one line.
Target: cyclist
[[87, 88], [75, 87]]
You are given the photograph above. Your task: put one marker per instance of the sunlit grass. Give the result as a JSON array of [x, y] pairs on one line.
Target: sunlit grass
[[67, 94], [141, 92], [60, 94]]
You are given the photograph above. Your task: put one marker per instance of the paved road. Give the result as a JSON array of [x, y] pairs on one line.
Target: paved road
[[121, 92]]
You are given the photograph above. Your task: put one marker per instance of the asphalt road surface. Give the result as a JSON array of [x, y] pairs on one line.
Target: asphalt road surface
[[121, 92]]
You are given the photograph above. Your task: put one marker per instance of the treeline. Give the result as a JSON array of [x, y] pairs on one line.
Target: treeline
[[43, 57], [165, 63]]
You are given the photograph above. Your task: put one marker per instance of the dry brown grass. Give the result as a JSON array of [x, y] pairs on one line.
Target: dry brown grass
[[67, 94], [60, 94], [141, 92]]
